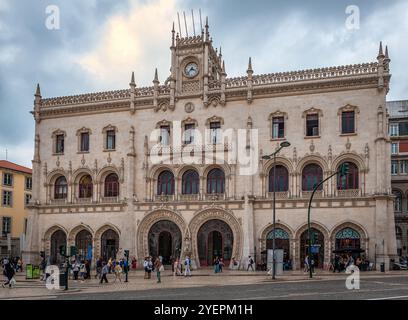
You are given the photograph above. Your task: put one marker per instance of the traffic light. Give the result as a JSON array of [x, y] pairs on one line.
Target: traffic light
[[73, 251], [62, 250], [344, 169], [126, 253], [315, 238]]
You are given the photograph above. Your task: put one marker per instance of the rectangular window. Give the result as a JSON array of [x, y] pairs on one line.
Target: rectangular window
[[8, 179], [6, 226], [189, 133], [27, 198], [278, 128], [403, 167], [7, 198], [394, 167], [394, 130], [394, 148], [347, 122], [85, 141], [165, 135], [312, 125], [28, 183], [215, 132], [403, 129], [110, 139], [59, 147]]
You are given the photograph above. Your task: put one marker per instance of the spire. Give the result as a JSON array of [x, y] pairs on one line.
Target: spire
[[207, 34], [172, 35], [250, 65], [386, 53], [156, 77], [223, 66], [380, 51], [38, 91], [132, 80]]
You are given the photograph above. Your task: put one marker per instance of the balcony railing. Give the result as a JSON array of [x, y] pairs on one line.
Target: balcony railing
[[307, 194], [351, 193], [189, 197], [215, 196], [58, 201], [83, 200], [109, 199], [279, 195]]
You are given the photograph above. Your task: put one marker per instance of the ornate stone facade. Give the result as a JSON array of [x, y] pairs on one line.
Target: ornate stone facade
[[198, 93]]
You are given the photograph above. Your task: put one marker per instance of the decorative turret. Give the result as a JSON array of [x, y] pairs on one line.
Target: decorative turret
[[207, 33], [250, 73], [132, 85], [37, 104], [383, 68], [223, 84], [155, 90]]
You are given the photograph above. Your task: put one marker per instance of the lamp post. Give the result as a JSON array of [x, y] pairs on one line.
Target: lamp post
[[284, 144]]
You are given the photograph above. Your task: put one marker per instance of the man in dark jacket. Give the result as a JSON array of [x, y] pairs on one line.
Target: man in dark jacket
[[9, 273]]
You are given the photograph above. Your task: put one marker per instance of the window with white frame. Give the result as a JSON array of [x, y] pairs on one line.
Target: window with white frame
[[215, 132], [6, 226], [165, 135], [394, 167], [394, 148], [7, 200], [278, 127], [27, 198], [403, 167], [394, 130], [28, 183], [7, 179]]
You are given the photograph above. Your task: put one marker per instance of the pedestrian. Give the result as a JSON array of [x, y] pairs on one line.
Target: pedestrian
[[134, 263], [82, 271], [187, 264], [158, 266], [75, 270], [216, 265], [221, 265], [98, 268], [118, 273], [150, 268], [306, 264], [9, 272], [146, 267], [105, 271], [250, 263], [88, 269]]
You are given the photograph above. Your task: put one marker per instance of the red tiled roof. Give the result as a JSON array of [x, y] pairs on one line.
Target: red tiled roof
[[12, 166]]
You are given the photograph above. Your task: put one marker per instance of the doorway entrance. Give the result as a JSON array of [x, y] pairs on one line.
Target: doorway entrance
[[165, 240], [317, 247], [215, 239]]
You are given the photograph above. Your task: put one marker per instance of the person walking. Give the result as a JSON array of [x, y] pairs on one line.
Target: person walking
[[250, 263], [134, 263], [146, 267], [221, 265], [150, 268], [118, 273], [82, 271], [9, 272], [105, 271], [306, 264], [187, 264], [75, 270], [158, 266], [216, 265], [98, 268], [88, 269]]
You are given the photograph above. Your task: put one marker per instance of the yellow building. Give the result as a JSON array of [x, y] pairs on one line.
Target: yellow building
[[15, 194]]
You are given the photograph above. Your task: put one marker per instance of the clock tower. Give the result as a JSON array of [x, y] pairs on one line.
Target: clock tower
[[196, 68]]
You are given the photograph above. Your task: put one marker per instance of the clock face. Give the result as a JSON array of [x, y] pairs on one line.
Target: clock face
[[191, 69]]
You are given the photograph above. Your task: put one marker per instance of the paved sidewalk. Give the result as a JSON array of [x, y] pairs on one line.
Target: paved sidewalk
[[35, 289]]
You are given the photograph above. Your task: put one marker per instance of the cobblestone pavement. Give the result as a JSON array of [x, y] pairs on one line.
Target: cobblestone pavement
[[205, 278]]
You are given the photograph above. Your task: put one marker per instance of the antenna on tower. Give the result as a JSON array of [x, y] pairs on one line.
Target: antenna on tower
[[192, 15], [201, 21], [185, 23], [178, 17]]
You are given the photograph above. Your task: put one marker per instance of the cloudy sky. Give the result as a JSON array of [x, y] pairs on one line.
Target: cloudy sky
[[100, 42]]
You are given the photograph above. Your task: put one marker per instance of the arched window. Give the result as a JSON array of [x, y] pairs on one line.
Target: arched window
[[349, 181], [347, 239], [83, 242], [85, 187], [215, 181], [112, 185], [60, 188], [312, 175], [165, 183], [190, 182], [398, 201], [281, 179]]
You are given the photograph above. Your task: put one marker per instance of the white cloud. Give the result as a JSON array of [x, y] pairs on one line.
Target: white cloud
[[138, 41]]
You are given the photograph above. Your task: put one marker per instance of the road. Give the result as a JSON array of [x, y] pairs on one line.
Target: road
[[371, 288]]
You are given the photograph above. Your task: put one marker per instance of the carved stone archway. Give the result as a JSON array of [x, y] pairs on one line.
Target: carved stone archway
[[46, 240], [98, 235], [215, 213], [148, 221], [356, 227]]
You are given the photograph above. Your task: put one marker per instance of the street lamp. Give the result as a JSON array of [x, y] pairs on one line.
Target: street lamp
[[284, 144]]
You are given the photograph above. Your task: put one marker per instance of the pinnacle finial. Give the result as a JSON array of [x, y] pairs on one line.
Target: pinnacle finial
[[250, 64], [223, 66], [386, 53], [38, 91], [132, 80], [380, 50], [173, 30], [156, 77]]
